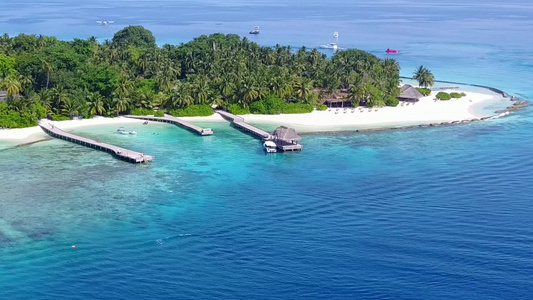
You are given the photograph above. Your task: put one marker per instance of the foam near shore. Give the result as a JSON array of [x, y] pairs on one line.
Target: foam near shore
[[474, 105]]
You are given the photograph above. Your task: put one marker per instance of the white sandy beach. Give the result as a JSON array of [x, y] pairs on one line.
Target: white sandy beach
[[36, 133], [426, 111]]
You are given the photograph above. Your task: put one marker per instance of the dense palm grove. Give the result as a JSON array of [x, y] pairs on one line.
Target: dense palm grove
[[44, 76]]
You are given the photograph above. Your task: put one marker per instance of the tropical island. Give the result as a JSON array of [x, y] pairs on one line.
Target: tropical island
[[44, 77]]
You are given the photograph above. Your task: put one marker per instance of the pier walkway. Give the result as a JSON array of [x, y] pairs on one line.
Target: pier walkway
[[239, 123], [282, 144], [176, 121], [118, 152]]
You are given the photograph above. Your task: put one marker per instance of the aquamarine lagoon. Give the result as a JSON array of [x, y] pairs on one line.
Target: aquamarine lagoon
[[430, 213]]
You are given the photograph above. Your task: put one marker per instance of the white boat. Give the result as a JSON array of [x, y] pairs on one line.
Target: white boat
[[255, 30], [122, 130], [333, 45], [270, 146], [329, 46]]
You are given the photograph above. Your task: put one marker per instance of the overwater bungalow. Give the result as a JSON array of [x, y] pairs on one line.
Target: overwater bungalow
[[286, 139], [409, 94]]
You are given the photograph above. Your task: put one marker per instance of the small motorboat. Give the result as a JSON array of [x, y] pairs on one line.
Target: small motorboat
[[145, 123], [122, 130], [270, 146], [255, 30], [392, 51], [132, 132]]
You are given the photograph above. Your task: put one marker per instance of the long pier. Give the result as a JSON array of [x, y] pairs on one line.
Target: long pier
[[239, 123], [118, 152], [176, 121]]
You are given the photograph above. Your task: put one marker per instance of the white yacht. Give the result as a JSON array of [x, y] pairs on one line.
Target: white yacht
[[332, 45], [329, 46], [270, 146]]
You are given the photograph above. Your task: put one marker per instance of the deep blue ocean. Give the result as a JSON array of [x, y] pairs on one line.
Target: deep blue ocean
[[435, 213]]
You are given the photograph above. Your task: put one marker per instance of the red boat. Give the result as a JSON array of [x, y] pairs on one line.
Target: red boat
[[392, 51]]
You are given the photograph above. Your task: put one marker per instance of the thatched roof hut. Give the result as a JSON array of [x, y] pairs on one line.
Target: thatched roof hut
[[409, 93], [286, 134]]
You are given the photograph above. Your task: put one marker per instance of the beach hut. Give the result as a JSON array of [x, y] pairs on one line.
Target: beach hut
[[286, 134], [286, 139], [409, 93]]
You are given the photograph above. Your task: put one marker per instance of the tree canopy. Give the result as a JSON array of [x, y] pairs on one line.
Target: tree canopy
[[85, 77], [134, 36], [424, 77]]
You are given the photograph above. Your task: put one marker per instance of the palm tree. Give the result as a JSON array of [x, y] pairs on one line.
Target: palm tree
[[26, 83], [47, 67], [424, 77], [303, 88], [12, 85], [71, 108], [123, 85], [145, 99], [59, 97], [96, 103], [45, 97], [120, 103]]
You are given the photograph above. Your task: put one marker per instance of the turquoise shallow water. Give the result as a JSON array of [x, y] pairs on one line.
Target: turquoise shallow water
[[434, 213]]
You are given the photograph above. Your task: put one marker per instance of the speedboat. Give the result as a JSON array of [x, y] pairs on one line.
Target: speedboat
[[132, 132], [255, 30], [122, 130], [270, 146], [392, 51], [329, 46]]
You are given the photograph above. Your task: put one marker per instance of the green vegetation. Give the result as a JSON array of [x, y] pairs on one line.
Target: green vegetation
[[142, 112], [273, 105], [446, 96], [192, 111], [60, 118], [392, 101], [131, 74], [424, 91], [321, 107], [424, 77], [12, 118], [237, 109], [159, 113], [443, 96], [457, 95]]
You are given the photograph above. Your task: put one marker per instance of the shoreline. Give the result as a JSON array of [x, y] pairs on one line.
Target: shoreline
[[427, 112]]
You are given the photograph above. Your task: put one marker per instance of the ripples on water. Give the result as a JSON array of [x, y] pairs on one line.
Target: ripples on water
[[432, 213]]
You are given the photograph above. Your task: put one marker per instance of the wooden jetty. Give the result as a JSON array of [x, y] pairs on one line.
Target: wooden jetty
[[118, 152], [239, 123], [286, 141], [176, 121]]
